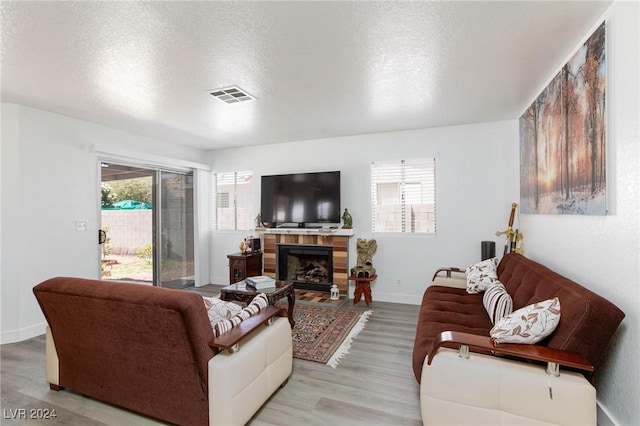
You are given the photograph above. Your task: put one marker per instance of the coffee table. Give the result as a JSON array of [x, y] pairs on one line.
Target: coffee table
[[240, 292]]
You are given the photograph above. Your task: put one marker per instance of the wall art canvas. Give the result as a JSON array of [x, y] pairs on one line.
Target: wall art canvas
[[563, 138]]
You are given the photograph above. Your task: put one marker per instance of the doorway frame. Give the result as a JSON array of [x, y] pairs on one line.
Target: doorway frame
[[201, 200]]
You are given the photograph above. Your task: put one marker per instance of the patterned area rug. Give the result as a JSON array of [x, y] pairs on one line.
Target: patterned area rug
[[323, 333]]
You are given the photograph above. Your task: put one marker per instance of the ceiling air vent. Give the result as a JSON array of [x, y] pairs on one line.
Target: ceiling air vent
[[231, 95]]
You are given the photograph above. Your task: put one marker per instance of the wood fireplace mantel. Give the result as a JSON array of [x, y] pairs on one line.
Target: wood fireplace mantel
[[339, 240], [308, 231]]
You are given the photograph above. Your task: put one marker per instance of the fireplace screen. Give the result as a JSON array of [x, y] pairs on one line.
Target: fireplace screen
[[308, 266]]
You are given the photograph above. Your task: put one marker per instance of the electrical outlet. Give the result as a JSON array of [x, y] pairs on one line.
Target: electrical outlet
[[398, 282], [81, 225]]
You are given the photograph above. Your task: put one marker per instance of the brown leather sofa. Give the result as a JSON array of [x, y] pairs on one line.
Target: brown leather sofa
[[152, 350], [508, 383]]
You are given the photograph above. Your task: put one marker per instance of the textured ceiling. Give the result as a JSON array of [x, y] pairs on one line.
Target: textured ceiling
[[316, 69]]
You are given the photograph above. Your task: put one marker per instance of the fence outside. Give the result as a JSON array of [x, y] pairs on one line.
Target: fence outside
[[128, 230]]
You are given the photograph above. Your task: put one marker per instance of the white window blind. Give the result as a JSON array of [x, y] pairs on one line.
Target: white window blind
[[232, 201], [403, 196]]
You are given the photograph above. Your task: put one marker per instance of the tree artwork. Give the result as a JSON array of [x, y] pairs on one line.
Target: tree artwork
[[563, 135]]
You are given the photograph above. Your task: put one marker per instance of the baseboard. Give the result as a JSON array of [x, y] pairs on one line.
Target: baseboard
[[603, 416], [14, 336], [407, 299], [220, 280]]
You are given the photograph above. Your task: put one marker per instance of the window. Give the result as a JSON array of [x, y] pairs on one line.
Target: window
[[232, 201], [222, 200], [403, 196]]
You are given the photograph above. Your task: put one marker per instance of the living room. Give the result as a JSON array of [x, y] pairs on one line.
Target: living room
[[50, 177]]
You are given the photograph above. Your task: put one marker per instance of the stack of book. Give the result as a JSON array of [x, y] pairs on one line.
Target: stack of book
[[260, 282]]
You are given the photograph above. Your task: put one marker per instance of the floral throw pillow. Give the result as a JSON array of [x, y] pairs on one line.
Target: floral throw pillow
[[257, 304], [219, 309], [481, 275], [497, 301], [529, 324]]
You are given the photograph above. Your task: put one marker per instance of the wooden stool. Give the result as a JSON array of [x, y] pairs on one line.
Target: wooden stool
[[363, 287]]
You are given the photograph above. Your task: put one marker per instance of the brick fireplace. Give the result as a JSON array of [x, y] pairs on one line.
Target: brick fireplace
[[334, 245]]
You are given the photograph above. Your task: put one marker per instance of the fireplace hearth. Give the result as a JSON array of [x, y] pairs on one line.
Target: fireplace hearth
[[310, 267]]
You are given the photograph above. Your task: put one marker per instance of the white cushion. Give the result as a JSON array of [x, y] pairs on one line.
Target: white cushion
[[481, 274], [529, 324], [497, 301]]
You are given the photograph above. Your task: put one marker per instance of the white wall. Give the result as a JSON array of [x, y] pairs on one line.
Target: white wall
[[603, 253], [476, 165], [50, 180]]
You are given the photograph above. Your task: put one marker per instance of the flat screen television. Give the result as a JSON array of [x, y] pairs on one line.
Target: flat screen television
[[301, 199]]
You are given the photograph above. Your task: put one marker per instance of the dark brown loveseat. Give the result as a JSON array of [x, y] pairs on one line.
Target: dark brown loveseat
[[587, 324], [152, 350]]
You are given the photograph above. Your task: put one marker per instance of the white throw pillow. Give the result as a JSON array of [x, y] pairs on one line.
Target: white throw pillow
[[257, 304], [481, 274], [497, 301], [529, 324], [219, 309]]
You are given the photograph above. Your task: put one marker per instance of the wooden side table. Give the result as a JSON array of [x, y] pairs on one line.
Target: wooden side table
[[241, 293], [363, 287], [242, 266]]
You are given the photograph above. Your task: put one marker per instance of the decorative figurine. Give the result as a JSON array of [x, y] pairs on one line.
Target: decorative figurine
[[347, 220], [258, 221], [364, 265], [243, 247]]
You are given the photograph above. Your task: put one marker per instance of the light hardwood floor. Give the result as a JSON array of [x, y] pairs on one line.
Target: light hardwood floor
[[373, 385]]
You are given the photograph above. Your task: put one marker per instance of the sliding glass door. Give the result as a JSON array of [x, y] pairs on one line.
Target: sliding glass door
[[127, 222], [147, 229], [175, 239]]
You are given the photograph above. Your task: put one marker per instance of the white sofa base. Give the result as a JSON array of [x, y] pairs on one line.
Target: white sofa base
[[489, 390], [241, 382], [53, 365]]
